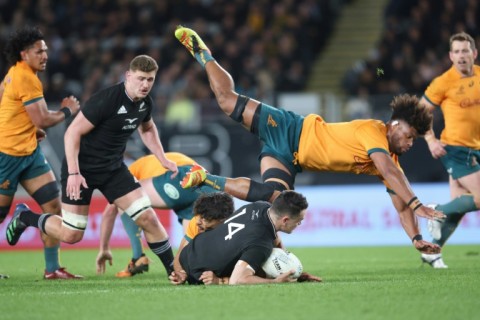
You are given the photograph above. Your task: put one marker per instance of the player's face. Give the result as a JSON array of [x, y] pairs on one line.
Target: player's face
[[463, 57], [291, 223], [205, 225], [36, 56], [400, 137], [139, 83]]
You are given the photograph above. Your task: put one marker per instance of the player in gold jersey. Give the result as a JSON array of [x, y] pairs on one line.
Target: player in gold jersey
[[293, 143], [23, 116], [457, 93]]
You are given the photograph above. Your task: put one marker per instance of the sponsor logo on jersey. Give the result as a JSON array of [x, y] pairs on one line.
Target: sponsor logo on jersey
[[122, 110], [131, 125], [450, 170], [271, 122], [5, 184], [171, 191], [255, 214]]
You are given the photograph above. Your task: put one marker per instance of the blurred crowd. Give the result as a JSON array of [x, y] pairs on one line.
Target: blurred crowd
[[414, 46], [267, 45]]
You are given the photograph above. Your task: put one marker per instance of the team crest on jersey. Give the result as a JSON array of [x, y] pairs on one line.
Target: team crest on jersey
[[142, 107], [122, 110], [171, 191]]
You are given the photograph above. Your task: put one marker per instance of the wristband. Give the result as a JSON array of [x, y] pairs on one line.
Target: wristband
[[74, 174], [411, 201], [66, 111], [417, 237], [414, 203]]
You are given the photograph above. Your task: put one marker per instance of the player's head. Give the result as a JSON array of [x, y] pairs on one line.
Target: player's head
[[288, 210], [27, 44], [140, 76], [463, 52], [212, 209], [409, 120]]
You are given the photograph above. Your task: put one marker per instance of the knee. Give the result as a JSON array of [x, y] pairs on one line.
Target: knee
[[72, 237], [147, 218]]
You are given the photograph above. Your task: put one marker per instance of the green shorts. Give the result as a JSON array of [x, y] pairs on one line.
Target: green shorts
[[280, 131], [176, 198], [461, 161], [14, 169]]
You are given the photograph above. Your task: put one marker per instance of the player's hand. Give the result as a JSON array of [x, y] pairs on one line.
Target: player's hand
[[71, 103], [437, 148], [208, 277], [172, 166], [40, 135], [177, 277], [73, 186], [102, 257], [307, 277], [285, 277], [429, 213], [426, 247]]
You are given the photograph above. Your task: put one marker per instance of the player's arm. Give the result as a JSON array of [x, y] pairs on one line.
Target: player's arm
[[178, 276], [435, 145], [106, 228], [399, 183], [243, 273], [149, 134], [2, 89], [44, 118], [410, 225], [79, 127]]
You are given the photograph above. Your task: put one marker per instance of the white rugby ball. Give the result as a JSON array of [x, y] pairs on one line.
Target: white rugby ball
[[281, 261]]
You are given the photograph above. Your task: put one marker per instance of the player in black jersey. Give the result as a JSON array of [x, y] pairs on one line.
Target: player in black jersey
[[239, 246], [94, 146]]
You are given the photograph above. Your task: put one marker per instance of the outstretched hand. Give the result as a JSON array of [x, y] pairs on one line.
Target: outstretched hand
[[307, 277], [429, 213], [426, 247], [102, 257]]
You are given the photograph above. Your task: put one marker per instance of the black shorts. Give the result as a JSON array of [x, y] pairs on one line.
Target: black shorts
[[112, 184]]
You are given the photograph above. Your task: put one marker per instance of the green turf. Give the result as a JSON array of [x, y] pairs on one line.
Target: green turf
[[359, 283]]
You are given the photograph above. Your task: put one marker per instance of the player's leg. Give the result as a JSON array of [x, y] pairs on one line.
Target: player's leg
[[138, 206], [239, 108]]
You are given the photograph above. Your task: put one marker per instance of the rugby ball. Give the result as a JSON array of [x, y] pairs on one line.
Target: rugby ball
[[281, 261]]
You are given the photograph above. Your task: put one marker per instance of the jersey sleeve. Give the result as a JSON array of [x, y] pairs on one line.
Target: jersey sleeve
[[255, 256], [435, 92], [93, 109], [192, 229], [148, 116], [30, 90], [372, 138]]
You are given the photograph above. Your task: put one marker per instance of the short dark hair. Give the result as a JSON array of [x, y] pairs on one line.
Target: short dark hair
[[408, 108], [143, 63], [20, 40], [462, 36], [214, 206], [289, 203]]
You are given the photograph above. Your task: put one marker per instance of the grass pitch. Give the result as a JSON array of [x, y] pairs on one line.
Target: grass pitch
[[359, 283]]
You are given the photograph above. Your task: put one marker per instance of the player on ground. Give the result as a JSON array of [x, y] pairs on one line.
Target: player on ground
[[95, 143], [293, 143], [239, 246], [164, 193], [457, 92], [210, 211], [23, 116]]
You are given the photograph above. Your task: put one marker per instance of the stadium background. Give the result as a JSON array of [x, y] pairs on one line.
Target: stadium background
[[343, 59]]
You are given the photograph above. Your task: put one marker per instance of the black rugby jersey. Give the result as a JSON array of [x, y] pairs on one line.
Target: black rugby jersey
[[247, 235], [115, 117]]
